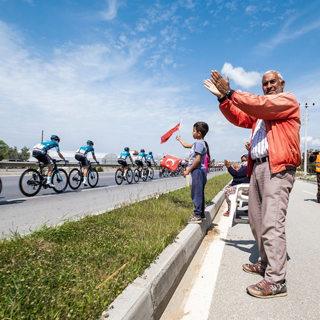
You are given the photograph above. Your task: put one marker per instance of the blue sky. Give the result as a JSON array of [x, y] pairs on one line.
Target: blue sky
[[122, 73]]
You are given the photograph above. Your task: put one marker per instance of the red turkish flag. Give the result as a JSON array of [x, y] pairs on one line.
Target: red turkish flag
[[170, 162], [167, 135]]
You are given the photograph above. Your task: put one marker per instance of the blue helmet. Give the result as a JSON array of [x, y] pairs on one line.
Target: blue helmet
[[126, 149], [142, 150], [90, 142], [150, 153], [54, 137]]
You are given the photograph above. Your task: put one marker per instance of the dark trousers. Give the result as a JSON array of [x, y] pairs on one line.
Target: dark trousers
[[199, 181], [318, 180]]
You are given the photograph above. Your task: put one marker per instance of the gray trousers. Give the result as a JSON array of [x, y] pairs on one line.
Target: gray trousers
[[268, 202]]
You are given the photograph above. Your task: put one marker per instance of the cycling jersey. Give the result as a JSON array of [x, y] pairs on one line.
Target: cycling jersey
[[85, 149], [141, 155], [124, 155], [149, 157], [47, 145]]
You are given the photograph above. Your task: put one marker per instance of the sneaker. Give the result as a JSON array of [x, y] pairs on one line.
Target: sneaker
[[226, 214], [203, 217], [49, 184], [253, 268], [195, 219], [265, 289]]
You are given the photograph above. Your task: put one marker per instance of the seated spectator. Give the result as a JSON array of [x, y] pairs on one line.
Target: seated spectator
[[239, 176]]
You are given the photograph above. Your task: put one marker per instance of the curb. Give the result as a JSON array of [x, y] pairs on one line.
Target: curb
[[147, 296]]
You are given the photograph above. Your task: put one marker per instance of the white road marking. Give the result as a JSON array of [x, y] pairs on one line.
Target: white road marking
[[309, 192], [199, 300], [81, 190]]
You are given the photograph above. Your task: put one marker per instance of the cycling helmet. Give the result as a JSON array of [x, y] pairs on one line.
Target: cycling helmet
[[90, 142], [150, 153], [54, 137], [126, 149], [142, 150]]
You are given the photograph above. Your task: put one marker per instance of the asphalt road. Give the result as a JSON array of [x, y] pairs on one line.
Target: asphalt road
[[22, 214]]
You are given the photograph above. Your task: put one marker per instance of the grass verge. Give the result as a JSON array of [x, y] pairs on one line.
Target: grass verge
[[77, 269]]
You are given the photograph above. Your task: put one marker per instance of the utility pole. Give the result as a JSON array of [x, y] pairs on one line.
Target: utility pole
[[42, 137], [305, 137]]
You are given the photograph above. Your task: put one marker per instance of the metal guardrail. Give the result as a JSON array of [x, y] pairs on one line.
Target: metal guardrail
[[30, 164]]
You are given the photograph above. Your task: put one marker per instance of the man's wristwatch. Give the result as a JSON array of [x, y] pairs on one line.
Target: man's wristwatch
[[227, 96]]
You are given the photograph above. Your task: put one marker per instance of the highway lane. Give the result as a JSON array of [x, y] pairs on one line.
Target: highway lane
[[22, 214]]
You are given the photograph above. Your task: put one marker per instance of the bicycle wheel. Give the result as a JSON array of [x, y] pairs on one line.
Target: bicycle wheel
[[75, 179], [160, 174], [144, 174], [93, 177], [151, 173], [129, 176], [136, 175], [167, 173], [30, 182], [119, 176], [60, 180]]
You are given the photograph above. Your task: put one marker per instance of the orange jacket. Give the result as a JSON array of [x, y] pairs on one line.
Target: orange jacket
[[281, 114]]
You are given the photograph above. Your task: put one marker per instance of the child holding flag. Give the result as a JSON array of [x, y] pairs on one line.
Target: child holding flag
[[197, 169]]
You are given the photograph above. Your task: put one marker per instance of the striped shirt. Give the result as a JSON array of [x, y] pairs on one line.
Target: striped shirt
[[259, 142]]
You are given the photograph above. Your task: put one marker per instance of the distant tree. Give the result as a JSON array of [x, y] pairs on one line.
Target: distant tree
[[24, 154], [4, 148], [13, 153]]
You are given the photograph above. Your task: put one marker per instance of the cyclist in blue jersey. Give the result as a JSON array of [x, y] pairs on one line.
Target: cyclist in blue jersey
[[140, 157], [123, 159], [81, 155], [40, 152], [149, 158]]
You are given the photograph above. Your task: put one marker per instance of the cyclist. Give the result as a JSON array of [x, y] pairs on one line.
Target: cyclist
[[40, 152], [81, 155], [123, 160], [139, 159], [183, 164], [149, 158]]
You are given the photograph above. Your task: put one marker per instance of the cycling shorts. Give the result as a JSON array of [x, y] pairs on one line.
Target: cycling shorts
[[82, 158], [148, 164], [139, 163], [41, 156], [123, 162]]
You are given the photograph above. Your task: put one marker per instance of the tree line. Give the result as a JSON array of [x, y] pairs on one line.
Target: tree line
[[7, 152]]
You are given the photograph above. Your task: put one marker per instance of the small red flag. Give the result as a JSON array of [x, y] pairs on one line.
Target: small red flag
[[167, 135], [170, 162]]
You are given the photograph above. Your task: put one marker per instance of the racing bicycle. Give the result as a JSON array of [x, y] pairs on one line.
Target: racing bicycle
[[32, 180], [119, 176], [76, 176]]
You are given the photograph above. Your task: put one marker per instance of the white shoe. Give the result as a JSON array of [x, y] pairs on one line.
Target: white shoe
[[50, 185], [85, 183]]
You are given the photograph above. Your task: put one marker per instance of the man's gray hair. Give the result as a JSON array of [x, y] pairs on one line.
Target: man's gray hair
[[277, 72]]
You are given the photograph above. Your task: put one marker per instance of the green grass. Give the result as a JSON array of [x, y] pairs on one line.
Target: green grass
[[55, 272]]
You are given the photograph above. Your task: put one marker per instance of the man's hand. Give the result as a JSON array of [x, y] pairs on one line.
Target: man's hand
[[208, 84], [221, 84]]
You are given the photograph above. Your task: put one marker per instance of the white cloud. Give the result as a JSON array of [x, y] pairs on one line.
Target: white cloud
[[111, 11], [29, 2], [251, 9], [241, 77], [312, 143], [287, 34], [89, 91]]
